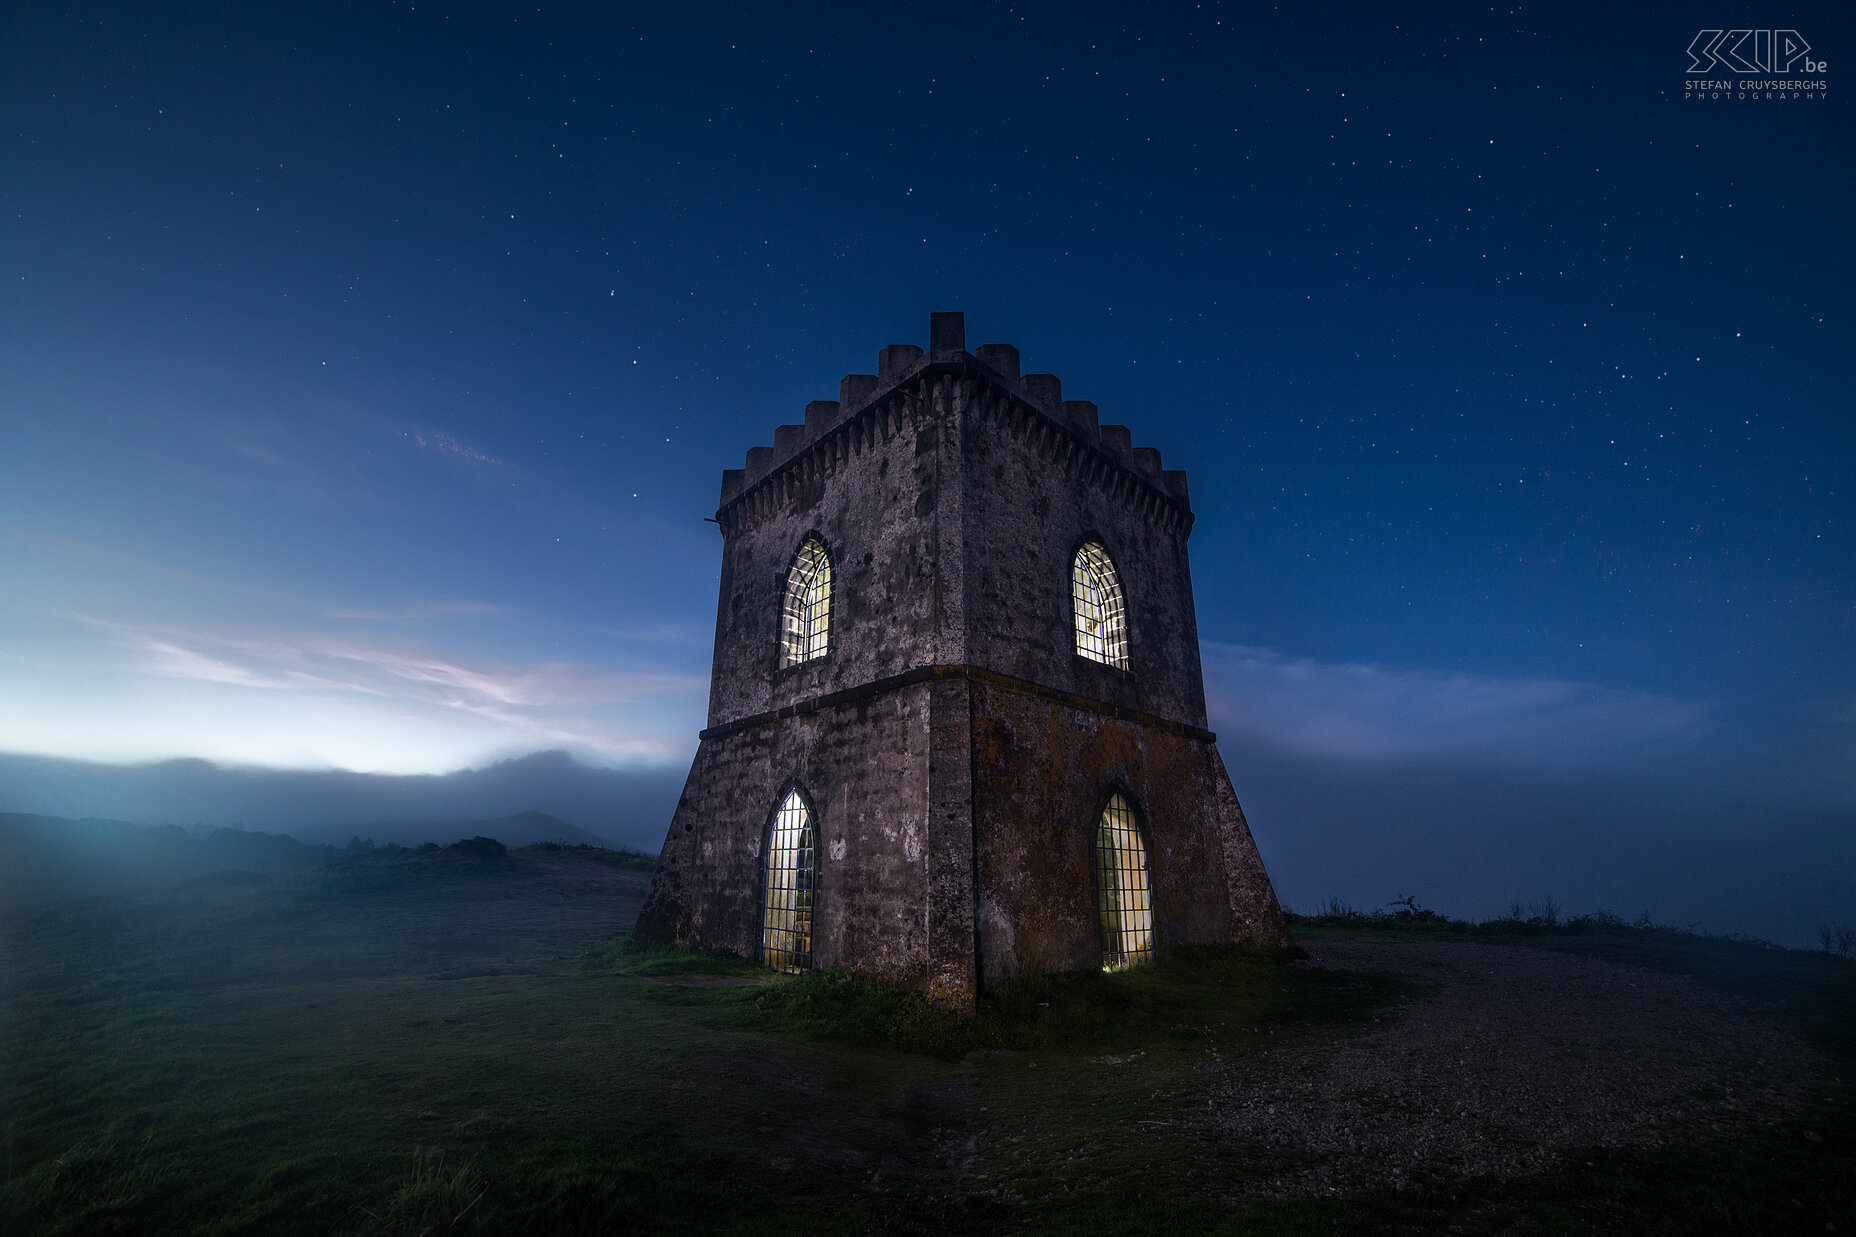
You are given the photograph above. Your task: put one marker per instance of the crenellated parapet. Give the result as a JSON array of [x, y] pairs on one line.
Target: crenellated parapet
[[772, 474], [985, 384]]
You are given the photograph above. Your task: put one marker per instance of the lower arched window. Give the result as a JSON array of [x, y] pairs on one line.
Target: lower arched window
[[1123, 896], [786, 907]]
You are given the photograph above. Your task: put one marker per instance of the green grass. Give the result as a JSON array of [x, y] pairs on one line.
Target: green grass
[[1183, 1000], [430, 1042]]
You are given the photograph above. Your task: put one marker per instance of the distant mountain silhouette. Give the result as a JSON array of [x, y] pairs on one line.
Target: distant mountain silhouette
[[521, 829], [613, 806]]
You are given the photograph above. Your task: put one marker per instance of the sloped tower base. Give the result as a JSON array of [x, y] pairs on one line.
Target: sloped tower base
[[956, 835]]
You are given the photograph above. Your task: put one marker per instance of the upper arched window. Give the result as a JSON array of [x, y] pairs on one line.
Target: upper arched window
[[786, 904], [805, 617], [1124, 899], [1095, 600]]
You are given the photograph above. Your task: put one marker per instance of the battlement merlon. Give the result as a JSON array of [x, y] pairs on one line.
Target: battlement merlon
[[901, 367]]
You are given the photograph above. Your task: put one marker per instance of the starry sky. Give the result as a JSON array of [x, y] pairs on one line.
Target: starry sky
[[367, 372]]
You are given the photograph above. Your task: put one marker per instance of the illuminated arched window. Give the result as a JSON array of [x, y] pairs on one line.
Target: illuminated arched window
[[1122, 894], [1095, 599], [805, 619], [786, 907]]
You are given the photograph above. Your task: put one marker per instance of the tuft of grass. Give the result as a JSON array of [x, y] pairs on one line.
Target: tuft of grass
[[434, 1198], [101, 1175], [630, 955]]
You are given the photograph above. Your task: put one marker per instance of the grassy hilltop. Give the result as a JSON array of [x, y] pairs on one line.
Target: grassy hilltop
[[450, 1041]]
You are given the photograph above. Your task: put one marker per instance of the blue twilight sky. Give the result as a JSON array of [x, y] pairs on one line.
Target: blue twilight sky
[[366, 371]]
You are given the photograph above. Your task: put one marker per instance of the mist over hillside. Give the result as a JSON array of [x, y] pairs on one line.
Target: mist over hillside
[[613, 806], [1462, 837], [520, 829], [45, 858], [1467, 839]]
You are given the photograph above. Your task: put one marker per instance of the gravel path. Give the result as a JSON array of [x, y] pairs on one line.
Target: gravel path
[[1507, 1055]]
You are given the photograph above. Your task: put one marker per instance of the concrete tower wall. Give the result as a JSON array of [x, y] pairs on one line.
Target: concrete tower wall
[[954, 747], [1037, 485], [864, 770], [869, 493]]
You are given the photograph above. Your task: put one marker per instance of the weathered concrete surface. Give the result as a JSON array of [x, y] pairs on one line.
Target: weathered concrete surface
[[864, 768], [1036, 490], [954, 745], [1042, 772]]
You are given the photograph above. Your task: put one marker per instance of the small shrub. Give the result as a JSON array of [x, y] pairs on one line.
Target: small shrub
[[1334, 910], [1409, 910], [479, 847]]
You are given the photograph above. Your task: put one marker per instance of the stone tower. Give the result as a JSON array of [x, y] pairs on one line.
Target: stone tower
[[956, 724]]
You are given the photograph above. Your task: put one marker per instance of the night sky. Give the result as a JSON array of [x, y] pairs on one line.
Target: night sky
[[367, 372]]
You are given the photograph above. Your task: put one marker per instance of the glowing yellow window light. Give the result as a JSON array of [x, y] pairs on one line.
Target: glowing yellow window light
[[1095, 600], [1122, 893], [805, 621], [786, 912]]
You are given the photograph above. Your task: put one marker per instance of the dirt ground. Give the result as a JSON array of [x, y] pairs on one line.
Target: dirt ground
[[1505, 1056]]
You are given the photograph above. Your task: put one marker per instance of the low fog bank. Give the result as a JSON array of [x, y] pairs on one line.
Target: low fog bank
[[613, 806], [46, 858], [1466, 839], [1463, 838]]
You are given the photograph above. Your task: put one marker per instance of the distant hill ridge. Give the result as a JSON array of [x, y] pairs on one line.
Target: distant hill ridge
[[521, 829], [47, 858]]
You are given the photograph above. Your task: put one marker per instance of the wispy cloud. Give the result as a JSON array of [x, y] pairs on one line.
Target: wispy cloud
[[321, 661], [552, 703], [438, 440], [175, 661], [1367, 711]]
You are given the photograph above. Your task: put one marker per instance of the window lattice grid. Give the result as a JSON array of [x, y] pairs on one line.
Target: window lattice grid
[[1095, 599], [1122, 893], [805, 621], [786, 912]]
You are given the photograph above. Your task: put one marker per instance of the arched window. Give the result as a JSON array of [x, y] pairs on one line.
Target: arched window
[[805, 619], [1095, 599], [1122, 894], [786, 907]]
